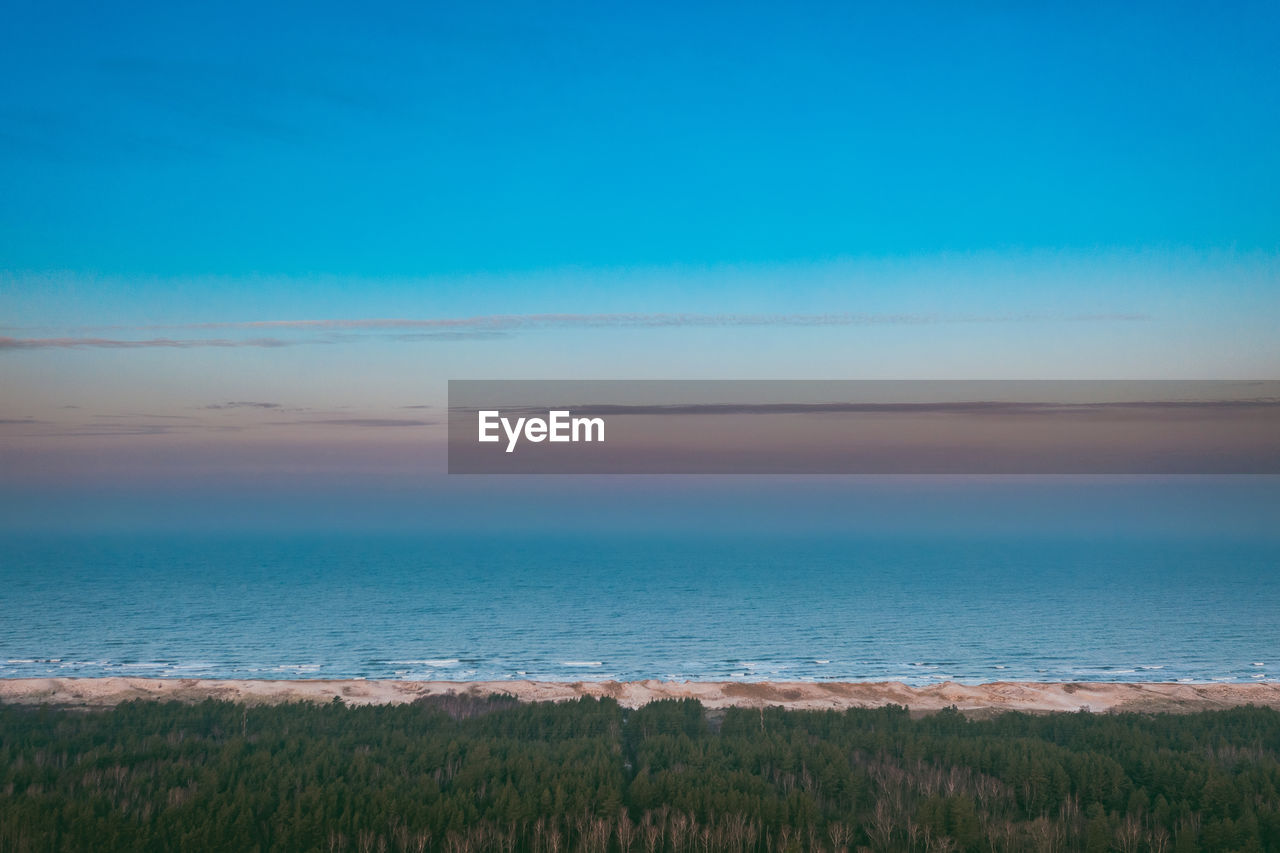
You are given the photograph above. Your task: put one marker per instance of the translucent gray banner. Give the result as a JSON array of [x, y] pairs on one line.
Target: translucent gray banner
[[863, 427]]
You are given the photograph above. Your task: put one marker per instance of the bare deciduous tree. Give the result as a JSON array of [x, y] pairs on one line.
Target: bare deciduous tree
[[881, 826], [625, 830], [1129, 835]]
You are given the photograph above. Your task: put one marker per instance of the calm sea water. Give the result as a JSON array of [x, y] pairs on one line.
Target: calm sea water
[[626, 607]]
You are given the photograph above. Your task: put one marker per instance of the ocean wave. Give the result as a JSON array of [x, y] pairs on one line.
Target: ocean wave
[[36, 660], [438, 663], [578, 663]]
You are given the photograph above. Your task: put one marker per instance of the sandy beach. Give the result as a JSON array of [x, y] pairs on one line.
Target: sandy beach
[[980, 698]]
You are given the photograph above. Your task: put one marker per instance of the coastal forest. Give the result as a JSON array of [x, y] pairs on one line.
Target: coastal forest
[[460, 774]]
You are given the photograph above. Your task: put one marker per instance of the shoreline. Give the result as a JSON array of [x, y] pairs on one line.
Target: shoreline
[[991, 697]]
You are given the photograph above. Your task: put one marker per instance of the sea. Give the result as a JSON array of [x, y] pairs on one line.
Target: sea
[[628, 606]]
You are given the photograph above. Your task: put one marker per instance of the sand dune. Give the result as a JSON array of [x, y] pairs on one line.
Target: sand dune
[[996, 696]]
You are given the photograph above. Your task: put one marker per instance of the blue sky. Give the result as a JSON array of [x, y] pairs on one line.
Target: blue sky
[[693, 190], [429, 139]]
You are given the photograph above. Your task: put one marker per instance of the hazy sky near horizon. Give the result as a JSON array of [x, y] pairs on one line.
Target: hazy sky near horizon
[[262, 238]]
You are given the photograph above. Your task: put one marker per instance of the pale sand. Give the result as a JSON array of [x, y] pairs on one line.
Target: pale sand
[[996, 696]]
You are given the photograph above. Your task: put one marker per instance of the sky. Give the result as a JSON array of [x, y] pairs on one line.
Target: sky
[[249, 244]]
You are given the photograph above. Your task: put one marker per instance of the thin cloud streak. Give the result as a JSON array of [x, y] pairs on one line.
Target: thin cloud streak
[[509, 322], [141, 428], [498, 325], [975, 407], [242, 404], [153, 343], [357, 422], [108, 425]]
